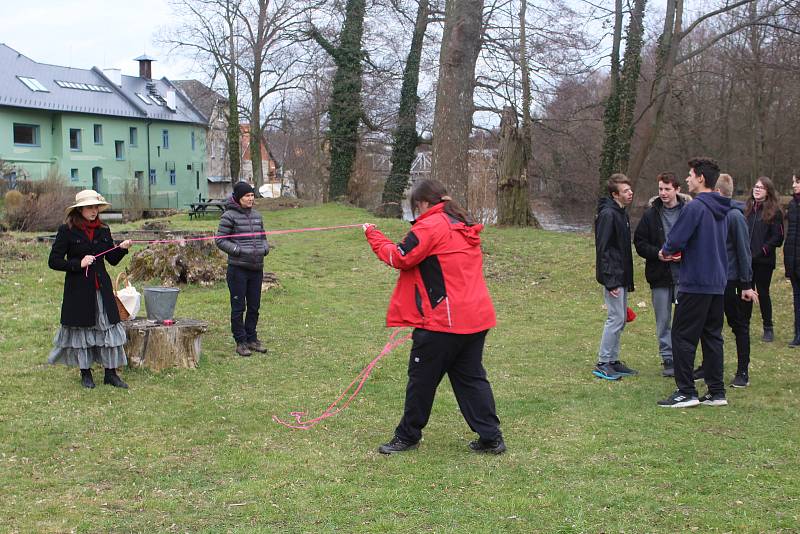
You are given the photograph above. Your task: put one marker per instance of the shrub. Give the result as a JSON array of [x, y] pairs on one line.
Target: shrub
[[38, 205]]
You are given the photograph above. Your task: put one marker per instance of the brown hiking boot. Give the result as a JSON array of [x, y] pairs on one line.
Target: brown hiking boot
[[243, 350], [256, 346]]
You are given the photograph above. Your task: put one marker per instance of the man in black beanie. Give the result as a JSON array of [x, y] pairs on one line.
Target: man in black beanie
[[245, 265]]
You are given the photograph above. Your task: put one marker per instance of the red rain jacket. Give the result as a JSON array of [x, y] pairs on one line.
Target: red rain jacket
[[441, 285]]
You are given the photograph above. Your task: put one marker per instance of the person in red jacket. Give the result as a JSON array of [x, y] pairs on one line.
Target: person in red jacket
[[441, 292]]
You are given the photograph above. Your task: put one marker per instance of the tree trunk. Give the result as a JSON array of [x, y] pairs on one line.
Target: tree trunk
[[608, 159], [461, 43], [405, 140], [345, 105], [158, 347], [513, 208], [662, 83], [629, 82], [234, 132]]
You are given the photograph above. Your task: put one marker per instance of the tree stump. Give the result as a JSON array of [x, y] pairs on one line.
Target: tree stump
[[156, 346]]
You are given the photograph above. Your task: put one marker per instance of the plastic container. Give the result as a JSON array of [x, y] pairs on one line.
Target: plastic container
[[160, 302]]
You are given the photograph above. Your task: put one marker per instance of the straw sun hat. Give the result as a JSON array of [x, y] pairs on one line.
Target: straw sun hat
[[89, 197]]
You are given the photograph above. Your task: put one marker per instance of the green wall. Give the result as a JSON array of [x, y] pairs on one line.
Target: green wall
[[100, 159]]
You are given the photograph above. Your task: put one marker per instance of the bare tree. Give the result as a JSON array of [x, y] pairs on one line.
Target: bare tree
[[461, 43], [209, 34]]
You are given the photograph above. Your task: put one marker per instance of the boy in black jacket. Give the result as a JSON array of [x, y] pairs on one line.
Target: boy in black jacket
[[614, 271], [662, 275]]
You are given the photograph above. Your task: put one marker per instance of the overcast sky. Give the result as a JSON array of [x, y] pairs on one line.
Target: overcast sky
[[89, 33]]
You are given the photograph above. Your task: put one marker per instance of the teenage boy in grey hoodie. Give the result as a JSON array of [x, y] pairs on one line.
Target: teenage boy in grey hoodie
[[698, 238]]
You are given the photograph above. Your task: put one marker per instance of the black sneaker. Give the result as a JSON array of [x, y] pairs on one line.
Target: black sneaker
[[497, 446], [668, 368], [606, 371], [769, 335], [741, 380], [699, 374], [622, 369], [397, 445], [715, 399], [679, 400]]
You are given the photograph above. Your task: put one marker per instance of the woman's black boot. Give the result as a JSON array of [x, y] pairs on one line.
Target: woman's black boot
[[86, 378], [112, 379], [796, 341]]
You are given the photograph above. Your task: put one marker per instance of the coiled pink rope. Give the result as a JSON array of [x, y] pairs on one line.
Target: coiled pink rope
[[361, 378]]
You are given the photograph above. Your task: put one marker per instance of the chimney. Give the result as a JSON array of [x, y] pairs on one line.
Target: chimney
[[115, 75], [145, 66], [171, 100]]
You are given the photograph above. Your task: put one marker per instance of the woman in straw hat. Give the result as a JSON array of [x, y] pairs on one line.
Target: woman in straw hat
[[90, 324]]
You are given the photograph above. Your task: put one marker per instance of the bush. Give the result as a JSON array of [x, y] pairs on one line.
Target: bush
[[38, 205]]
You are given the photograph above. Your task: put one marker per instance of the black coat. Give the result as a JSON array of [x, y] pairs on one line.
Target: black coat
[[613, 256], [247, 252], [70, 246], [765, 237], [791, 248], [648, 240]]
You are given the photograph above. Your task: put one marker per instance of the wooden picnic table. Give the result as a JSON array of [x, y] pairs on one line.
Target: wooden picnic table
[[201, 208]]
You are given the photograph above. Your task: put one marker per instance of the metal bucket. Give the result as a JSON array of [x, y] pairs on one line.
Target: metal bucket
[[160, 302]]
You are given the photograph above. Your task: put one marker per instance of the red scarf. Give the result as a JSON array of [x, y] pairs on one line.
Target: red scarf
[[88, 228]]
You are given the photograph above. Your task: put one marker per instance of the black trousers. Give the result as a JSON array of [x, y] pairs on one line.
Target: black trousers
[[460, 356], [698, 318], [795, 280], [244, 286], [762, 278], [737, 312]]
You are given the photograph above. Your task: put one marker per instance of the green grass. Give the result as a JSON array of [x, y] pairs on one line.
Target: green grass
[[196, 450]]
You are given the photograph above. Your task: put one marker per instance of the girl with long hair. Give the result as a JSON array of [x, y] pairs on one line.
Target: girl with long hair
[[791, 254], [765, 222]]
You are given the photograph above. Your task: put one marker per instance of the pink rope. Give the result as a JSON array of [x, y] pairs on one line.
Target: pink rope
[[207, 238], [361, 378]]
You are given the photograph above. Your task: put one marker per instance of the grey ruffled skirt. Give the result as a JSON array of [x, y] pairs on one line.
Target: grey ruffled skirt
[[81, 346]]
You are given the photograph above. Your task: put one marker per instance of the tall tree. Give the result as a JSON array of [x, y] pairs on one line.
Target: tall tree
[[209, 33], [622, 100], [345, 111], [461, 43], [516, 146], [406, 138]]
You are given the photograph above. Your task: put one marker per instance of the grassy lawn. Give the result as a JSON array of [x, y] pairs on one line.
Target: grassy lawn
[[196, 450]]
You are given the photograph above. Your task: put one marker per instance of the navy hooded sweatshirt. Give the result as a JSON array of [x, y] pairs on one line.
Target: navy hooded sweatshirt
[[700, 234]]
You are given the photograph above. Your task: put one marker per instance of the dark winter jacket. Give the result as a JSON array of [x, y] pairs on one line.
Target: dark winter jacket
[[765, 236], [649, 238], [612, 243], [79, 304], [740, 268], [700, 234], [247, 252], [791, 248]]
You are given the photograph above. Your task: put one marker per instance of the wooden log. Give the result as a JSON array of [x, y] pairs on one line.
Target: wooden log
[[156, 346]]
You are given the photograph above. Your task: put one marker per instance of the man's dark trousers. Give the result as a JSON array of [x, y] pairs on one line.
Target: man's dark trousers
[[738, 312], [460, 356], [244, 286], [698, 317]]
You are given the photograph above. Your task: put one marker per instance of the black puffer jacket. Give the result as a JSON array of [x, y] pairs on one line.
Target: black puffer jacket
[[247, 252], [69, 248], [612, 241], [791, 248], [765, 236], [648, 240]]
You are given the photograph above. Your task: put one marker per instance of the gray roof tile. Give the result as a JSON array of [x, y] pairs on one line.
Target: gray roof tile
[[120, 102]]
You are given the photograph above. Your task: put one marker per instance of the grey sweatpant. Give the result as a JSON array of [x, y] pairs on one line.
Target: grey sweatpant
[[663, 298], [615, 323]]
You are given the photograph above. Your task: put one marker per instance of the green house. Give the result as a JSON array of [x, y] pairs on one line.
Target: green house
[[132, 139]]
